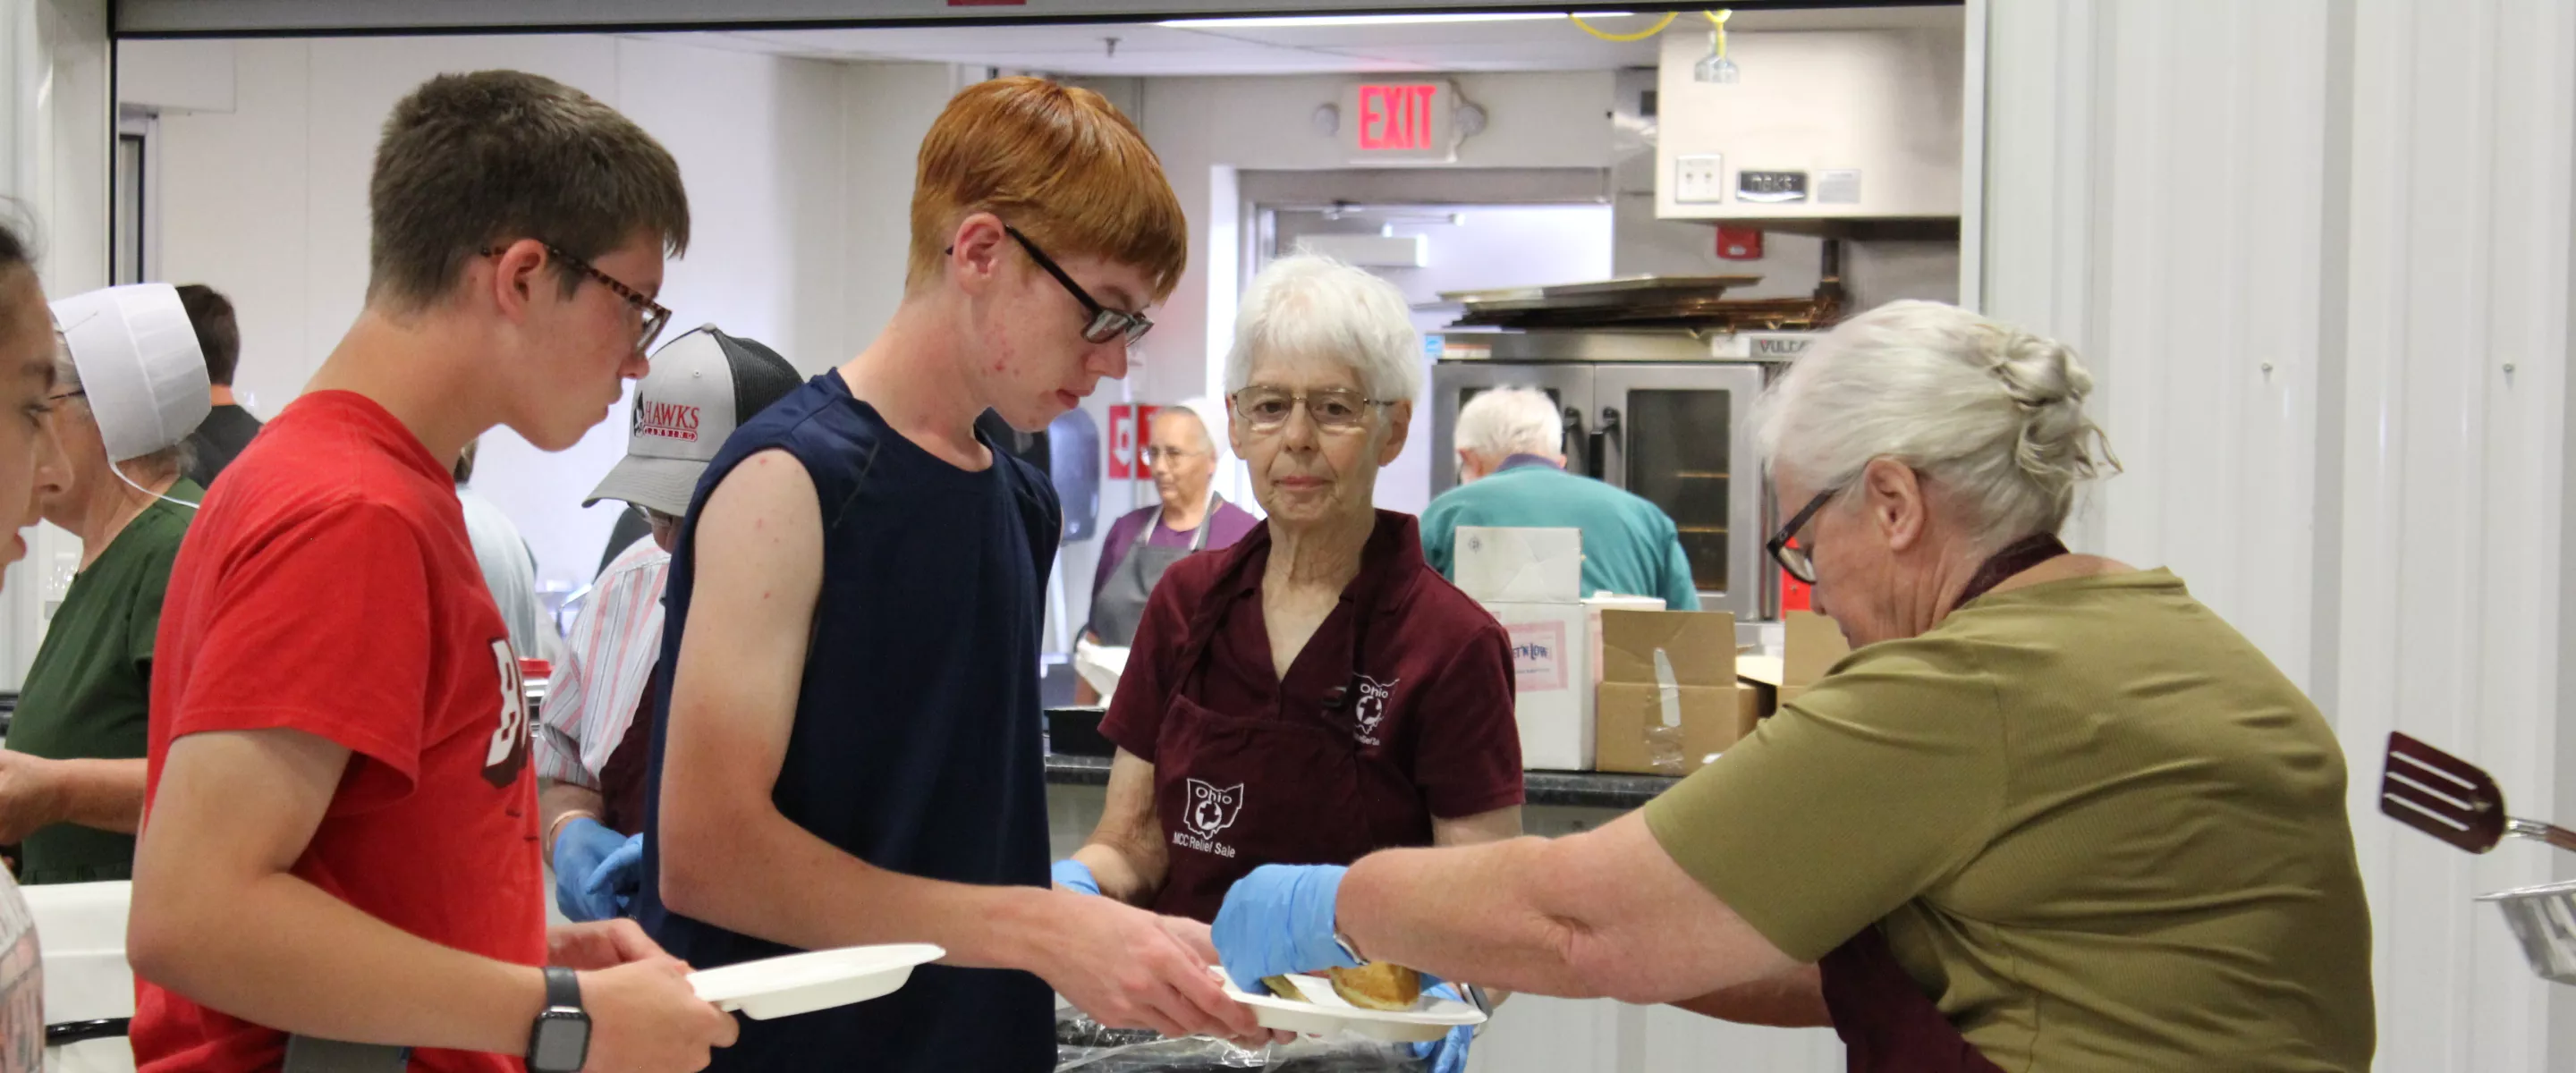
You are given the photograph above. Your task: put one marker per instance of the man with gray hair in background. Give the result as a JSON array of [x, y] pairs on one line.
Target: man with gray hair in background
[[1511, 472]]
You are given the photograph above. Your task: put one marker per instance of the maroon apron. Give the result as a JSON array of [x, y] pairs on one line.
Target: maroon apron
[[1237, 790], [621, 779], [1885, 1020]]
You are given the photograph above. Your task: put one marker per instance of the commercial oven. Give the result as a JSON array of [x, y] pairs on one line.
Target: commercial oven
[[1653, 413]]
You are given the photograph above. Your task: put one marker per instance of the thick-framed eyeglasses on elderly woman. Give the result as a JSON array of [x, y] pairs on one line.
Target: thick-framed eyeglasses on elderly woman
[[1267, 408], [1795, 558]]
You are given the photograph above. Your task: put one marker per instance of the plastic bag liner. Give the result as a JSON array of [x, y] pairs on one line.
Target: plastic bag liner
[[1083, 1044]]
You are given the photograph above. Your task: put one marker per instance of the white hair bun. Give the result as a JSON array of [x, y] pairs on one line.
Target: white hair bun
[[2058, 442], [1994, 412]]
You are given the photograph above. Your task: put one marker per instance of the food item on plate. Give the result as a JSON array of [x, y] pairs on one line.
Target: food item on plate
[[1379, 985], [1284, 988]]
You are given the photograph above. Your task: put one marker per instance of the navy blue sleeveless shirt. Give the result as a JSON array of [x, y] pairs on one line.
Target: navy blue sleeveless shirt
[[916, 746]]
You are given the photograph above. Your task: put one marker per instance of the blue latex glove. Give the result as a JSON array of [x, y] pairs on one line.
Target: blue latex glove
[[1279, 920], [580, 848], [1075, 875], [619, 877], [1449, 1053]]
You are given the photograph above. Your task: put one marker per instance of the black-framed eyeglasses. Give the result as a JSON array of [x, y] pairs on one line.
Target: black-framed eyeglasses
[[1791, 557], [1105, 323], [651, 314]]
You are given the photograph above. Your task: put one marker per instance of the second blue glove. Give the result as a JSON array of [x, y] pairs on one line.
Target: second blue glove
[[580, 848], [1074, 875], [1280, 920], [619, 877], [1448, 1054]]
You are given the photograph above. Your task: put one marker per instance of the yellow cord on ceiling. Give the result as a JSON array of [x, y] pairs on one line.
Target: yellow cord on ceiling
[[1718, 20], [1625, 38]]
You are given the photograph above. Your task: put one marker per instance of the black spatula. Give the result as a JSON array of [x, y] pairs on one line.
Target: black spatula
[[2453, 800]]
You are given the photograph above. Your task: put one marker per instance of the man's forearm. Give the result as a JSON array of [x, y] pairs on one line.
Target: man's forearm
[[105, 794], [812, 896], [280, 952], [556, 799]]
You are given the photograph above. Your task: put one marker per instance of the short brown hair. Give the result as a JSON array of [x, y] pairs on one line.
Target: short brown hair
[[1062, 165], [471, 160], [218, 333]]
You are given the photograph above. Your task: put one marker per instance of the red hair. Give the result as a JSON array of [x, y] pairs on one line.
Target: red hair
[[1062, 165]]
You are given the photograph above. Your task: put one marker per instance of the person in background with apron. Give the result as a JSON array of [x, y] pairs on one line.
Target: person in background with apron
[[1317, 691], [2051, 813], [1190, 518]]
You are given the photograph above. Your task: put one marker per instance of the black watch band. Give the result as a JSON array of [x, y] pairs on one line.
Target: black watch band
[[560, 1040], [563, 988]]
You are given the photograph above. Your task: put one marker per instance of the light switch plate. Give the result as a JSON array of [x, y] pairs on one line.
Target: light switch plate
[[1699, 178]]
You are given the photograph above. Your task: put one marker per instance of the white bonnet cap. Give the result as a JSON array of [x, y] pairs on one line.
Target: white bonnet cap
[[140, 368]]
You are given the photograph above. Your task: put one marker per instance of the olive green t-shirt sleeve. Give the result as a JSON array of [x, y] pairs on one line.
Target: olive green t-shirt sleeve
[[1870, 787]]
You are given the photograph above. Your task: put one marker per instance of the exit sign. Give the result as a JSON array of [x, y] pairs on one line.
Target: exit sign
[[1397, 117], [1396, 122]]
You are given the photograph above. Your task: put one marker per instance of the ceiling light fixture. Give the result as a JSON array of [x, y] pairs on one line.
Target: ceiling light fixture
[[1284, 21]]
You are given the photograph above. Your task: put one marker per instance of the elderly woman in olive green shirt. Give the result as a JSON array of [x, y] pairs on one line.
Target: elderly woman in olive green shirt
[[2051, 813], [72, 775]]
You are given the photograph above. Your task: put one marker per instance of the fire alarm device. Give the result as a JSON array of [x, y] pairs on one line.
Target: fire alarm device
[[1739, 243]]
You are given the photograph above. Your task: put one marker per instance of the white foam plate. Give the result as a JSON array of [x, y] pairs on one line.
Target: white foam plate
[[819, 980], [1327, 1013]]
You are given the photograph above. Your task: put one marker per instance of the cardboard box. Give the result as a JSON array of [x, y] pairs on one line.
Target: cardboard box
[[1552, 679], [1713, 719], [1668, 698], [1597, 603], [1498, 565]]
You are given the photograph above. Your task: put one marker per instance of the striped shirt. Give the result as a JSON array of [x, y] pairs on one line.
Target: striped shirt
[[592, 697]]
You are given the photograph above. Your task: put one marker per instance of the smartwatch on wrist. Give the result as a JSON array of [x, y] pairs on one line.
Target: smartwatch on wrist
[[560, 1042]]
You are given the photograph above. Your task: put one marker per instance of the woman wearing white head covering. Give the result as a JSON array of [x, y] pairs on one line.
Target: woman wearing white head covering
[[1188, 517], [124, 400]]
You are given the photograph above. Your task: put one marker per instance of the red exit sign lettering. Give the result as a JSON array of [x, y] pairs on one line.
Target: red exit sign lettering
[[1397, 118]]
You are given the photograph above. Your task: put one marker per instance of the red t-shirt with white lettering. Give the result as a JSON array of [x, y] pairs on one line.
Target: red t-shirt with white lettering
[[329, 588]]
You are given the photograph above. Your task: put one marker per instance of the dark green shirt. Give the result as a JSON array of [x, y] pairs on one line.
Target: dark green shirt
[[87, 695]]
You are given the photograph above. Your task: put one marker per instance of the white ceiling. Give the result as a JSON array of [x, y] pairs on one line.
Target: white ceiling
[[1146, 49]]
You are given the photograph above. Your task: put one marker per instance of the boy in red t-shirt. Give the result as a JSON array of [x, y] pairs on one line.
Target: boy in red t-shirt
[[340, 834]]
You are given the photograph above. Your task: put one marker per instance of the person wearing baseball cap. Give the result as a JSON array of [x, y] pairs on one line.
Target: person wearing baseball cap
[[590, 744]]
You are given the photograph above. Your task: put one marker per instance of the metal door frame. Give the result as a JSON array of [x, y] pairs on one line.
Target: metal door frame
[[1748, 493]]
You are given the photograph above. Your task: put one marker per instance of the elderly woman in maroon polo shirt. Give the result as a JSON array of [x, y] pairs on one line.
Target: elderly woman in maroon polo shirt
[[1317, 691]]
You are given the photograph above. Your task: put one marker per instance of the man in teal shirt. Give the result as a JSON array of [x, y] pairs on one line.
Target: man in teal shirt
[[1511, 472]]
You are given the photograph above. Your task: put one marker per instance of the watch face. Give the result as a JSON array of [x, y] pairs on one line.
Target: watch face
[[562, 1043]]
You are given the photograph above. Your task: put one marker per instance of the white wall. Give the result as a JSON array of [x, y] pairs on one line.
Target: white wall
[[54, 153], [2318, 255], [795, 184], [1206, 128]]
